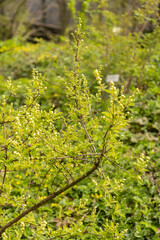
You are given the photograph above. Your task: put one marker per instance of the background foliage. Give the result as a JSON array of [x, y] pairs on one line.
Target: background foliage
[[121, 201]]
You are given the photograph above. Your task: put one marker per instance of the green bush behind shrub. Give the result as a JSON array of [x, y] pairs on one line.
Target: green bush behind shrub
[[124, 205]]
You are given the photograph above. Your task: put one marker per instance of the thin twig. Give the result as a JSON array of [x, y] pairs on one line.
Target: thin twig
[[116, 164], [4, 176], [42, 181], [67, 180]]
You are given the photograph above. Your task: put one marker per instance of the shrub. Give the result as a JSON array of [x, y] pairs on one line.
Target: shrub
[[46, 153]]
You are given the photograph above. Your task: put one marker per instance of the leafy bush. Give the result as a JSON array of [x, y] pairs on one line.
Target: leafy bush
[[121, 199], [40, 149]]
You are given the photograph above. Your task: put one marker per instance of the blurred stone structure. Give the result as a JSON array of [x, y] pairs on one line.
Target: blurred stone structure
[[48, 16], [43, 18]]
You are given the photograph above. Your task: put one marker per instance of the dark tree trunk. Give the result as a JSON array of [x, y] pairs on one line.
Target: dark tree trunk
[[43, 10], [63, 14]]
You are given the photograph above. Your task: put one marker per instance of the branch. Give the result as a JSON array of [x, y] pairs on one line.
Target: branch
[[50, 197], [4, 176], [5, 168], [116, 164]]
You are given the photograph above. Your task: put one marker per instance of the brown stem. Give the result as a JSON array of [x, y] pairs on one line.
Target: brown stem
[[50, 197], [5, 168], [4, 176]]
